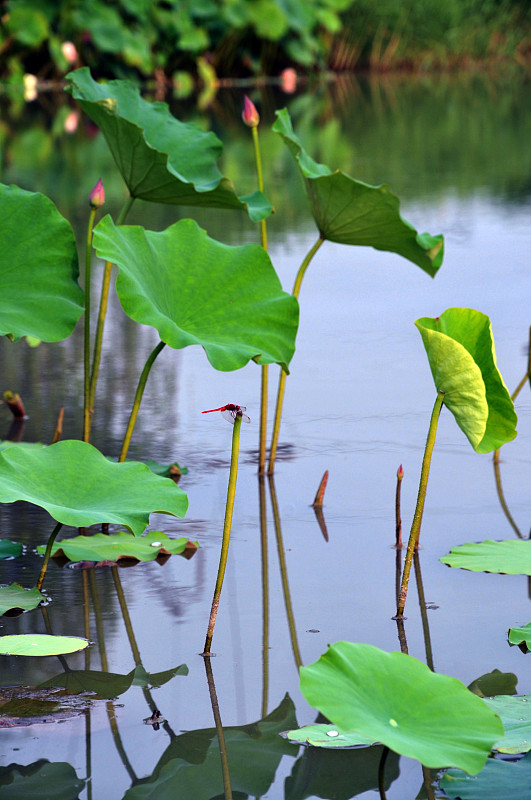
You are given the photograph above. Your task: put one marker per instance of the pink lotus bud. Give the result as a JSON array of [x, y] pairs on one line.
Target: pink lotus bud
[[97, 195], [288, 80], [71, 122], [69, 51], [400, 472], [250, 115]]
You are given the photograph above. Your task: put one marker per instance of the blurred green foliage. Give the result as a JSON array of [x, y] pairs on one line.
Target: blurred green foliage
[[240, 38]]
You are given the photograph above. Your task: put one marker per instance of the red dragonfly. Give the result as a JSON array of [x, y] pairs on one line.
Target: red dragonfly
[[230, 412]]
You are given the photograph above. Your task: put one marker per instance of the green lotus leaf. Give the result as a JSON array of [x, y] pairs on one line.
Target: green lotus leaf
[[499, 780], [352, 212], [398, 701], [6, 443], [78, 486], [143, 678], [515, 713], [105, 684], [195, 290], [511, 557], [39, 292], [160, 158], [9, 549], [521, 637], [460, 350], [113, 547], [53, 780], [15, 596], [321, 735], [40, 644]]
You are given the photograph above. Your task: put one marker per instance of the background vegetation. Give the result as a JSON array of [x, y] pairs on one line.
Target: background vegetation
[[184, 39]]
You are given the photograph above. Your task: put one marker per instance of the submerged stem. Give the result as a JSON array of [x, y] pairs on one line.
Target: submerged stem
[[138, 399], [381, 773], [282, 379], [86, 345], [104, 298], [48, 553], [229, 507], [421, 497]]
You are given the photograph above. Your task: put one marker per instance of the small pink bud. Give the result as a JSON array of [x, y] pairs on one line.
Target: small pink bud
[[69, 51], [250, 115], [400, 472], [97, 195]]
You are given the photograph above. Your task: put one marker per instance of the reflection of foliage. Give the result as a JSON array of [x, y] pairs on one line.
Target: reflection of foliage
[[40, 779], [190, 765], [117, 37]]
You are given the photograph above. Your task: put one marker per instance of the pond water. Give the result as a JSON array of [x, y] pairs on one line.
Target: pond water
[[358, 403]]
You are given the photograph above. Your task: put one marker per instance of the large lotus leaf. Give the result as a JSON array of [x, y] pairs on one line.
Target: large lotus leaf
[[160, 158], [113, 547], [16, 597], [195, 290], [329, 736], [462, 359], [515, 713], [42, 779], [521, 637], [499, 780], [190, 768], [400, 702], [511, 557], [352, 212], [78, 486], [40, 644], [104, 684], [6, 443], [39, 292]]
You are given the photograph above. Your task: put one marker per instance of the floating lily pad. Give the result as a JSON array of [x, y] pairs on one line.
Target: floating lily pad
[[40, 644], [26, 705], [241, 312], [515, 713], [9, 549], [398, 701], [39, 292], [42, 779], [160, 158], [78, 486], [499, 780], [321, 735], [510, 557], [353, 212], [460, 350], [521, 637], [116, 546], [16, 597]]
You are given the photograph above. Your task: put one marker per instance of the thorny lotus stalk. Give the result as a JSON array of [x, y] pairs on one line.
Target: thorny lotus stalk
[[231, 492]]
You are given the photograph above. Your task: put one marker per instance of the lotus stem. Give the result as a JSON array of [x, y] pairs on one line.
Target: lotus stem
[[398, 516], [138, 399], [265, 368], [229, 507], [282, 379], [104, 298], [265, 593], [48, 553], [421, 497], [86, 347]]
